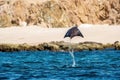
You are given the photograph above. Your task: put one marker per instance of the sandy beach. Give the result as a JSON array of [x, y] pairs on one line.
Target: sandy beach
[[34, 35]]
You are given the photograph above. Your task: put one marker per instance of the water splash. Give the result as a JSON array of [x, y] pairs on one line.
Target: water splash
[[73, 58], [71, 51]]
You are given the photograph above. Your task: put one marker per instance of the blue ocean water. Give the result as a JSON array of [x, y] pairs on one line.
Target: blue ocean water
[[47, 65]]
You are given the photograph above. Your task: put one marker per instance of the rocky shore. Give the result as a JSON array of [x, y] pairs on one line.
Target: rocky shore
[[59, 46], [58, 13]]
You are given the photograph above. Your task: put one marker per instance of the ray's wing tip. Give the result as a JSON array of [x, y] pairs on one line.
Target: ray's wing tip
[[65, 36], [82, 36]]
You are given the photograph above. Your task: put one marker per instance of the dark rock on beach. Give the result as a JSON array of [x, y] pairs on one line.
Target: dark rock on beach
[[92, 45], [59, 46], [117, 45]]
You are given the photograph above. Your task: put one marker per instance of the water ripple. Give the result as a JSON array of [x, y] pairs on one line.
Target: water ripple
[[47, 65]]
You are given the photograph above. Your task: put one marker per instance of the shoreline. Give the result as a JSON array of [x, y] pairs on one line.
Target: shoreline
[[34, 35], [36, 38], [59, 46]]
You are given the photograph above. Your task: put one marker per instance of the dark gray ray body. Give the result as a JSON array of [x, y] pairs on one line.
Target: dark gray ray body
[[74, 31]]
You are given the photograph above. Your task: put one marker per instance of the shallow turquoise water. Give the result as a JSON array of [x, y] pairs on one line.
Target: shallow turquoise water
[[47, 65]]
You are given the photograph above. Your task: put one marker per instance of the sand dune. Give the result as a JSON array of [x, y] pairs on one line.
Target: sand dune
[[35, 35]]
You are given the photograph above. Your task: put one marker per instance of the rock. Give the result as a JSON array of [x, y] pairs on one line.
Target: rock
[[117, 45], [94, 45], [59, 46], [81, 47], [108, 45], [23, 47], [8, 47], [2, 2], [40, 13], [5, 20], [50, 46]]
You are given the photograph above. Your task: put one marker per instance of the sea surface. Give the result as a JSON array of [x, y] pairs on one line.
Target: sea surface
[[48, 65]]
